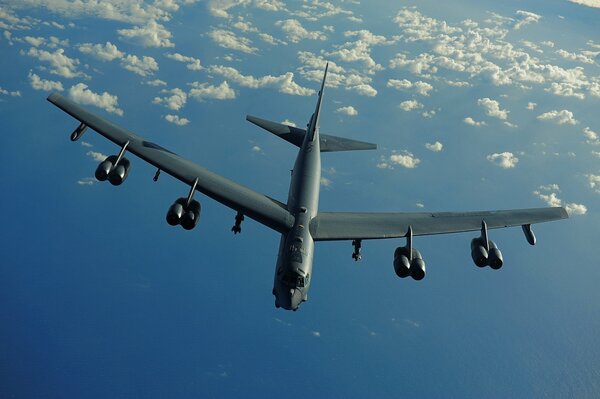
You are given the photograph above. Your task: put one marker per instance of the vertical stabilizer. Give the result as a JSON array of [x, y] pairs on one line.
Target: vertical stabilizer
[[313, 126]]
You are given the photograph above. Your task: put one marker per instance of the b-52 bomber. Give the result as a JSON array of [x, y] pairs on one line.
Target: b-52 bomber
[[298, 220]]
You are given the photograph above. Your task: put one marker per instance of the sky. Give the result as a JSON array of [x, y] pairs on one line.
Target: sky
[[475, 106]]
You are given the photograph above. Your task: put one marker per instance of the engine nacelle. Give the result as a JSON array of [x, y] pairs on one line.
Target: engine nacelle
[[478, 252], [175, 212], [401, 262], [119, 173], [405, 267], [115, 174], [191, 217], [103, 170], [495, 256], [187, 216], [482, 257]]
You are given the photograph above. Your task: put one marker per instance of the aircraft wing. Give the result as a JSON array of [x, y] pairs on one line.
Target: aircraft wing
[[255, 205], [329, 226]]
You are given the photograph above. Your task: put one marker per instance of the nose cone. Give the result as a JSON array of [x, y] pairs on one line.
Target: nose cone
[[288, 298]]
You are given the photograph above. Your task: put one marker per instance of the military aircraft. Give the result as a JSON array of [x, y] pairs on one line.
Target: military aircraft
[[298, 220]]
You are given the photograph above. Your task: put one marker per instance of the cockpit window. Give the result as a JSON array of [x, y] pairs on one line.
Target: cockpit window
[[295, 280]]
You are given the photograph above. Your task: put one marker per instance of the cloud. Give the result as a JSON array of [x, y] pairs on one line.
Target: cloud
[[151, 35], [531, 106], [201, 91], [559, 117], [193, 64], [131, 11], [289, 123], [42, 84], [106, 52], [359, 49], [96, 156], [295, 32], [156, 82], [552, 199], [405, 159], [325, 182], [86, 181], [591, 136], [492, 108], [435, 147], [284, 83], [588, 3], [228, 39], [525, 18], [81, 94], [142, 66], [422, 88], [470, 121], [315, 333], [348, 110], [175, 119], [505, 160], [60, 64], [175, 101], [410, 105]]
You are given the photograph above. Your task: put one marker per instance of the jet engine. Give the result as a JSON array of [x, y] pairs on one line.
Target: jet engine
[[485, 252], [114, 172], [406, 265], [182, 213]]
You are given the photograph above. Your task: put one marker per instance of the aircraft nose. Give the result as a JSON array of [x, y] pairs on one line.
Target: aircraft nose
[[289, 299]]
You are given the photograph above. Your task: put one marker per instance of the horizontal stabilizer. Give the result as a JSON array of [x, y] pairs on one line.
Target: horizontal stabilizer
[[295, 136], [286, 132], [334, 143]]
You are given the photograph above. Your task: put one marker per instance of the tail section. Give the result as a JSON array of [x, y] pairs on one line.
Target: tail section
[[296, 136]]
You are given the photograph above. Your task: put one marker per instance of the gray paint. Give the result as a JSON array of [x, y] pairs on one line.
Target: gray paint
[[299, 221]]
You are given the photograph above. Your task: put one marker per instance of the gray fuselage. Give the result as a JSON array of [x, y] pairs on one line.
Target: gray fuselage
[[293, 273]]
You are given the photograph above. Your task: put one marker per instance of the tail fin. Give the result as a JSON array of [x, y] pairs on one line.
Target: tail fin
[[296, 136]]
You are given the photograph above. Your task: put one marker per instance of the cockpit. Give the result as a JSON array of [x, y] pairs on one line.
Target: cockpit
[[294, 280]]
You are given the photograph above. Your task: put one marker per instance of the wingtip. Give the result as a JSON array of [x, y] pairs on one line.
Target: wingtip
[[53, 97]]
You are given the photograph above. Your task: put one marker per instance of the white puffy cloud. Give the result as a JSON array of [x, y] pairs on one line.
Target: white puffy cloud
[[470, 121], [406, 160], [422, 88], [192, 63], [551, 199], [289, 122], [228, 39], [435, 147], [5, 92], [295, 32], [410, 105], [60, 64], [175, 101], [142, 66], [131, 11], [531, 106], [525, 18], [87, 181], [359, 49], [483, 52], [108, 102], [348, 110], [35, 41], [156, 82], [42, 84], [201, 91], [505, 160], [106, 52], [96, 156], [594, 182], [591, 136], [492, 108], [284, 83], [175, 119], [559, 117], [152, 34], [589, 3]]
